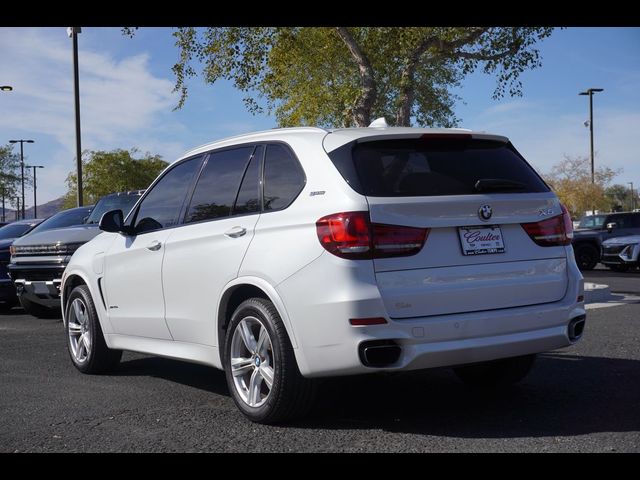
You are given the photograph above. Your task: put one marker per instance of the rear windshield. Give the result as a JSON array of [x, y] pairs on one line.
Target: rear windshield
[[430, 167]]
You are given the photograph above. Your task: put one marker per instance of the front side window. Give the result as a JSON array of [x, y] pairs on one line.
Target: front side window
[[161, 207], [283, 178], [218, 184]]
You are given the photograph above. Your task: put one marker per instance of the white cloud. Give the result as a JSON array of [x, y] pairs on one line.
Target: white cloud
[[122, 102]]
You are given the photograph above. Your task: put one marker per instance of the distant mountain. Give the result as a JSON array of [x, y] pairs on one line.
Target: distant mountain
[[45, 210]]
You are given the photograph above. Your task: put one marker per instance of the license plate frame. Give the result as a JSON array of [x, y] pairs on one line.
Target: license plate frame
[[481, 240]]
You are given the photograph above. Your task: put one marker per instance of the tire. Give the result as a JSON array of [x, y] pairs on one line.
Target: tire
[[499, 373], [85, 342], [290, 395], [587, 256], [39, 311]]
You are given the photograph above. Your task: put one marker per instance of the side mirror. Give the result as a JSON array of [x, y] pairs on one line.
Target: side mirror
[[611, 226], [112, 221]]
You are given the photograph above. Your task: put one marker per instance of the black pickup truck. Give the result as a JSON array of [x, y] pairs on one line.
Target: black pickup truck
[[595, 229]]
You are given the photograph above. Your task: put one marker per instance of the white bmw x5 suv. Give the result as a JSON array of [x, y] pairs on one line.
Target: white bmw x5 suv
[[291, 254]]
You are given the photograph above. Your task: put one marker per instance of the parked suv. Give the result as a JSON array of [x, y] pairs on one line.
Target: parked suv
[[292, 254], [621, 253], [594, 229], [8, 234], [39, 258]]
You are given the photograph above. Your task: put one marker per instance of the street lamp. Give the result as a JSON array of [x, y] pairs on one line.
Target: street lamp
[[633, 200], [21, 142], [6, 88], [35, 186], [590, 92], [73, 34]]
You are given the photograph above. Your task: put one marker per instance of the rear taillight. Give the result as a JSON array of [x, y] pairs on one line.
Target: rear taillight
[[552, 232], [352, 235]]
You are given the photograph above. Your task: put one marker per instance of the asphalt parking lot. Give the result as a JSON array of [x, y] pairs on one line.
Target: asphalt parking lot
[[582, 399]]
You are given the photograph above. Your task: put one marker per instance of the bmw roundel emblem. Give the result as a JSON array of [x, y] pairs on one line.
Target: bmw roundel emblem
[[485, 212]]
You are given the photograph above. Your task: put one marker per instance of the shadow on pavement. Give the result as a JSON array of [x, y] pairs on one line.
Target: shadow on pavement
[[564, 395], [196, 376]]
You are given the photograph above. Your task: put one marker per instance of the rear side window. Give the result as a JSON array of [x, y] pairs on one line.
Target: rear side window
[[283, 178], [432, 167], [625, 221], [218, 184]]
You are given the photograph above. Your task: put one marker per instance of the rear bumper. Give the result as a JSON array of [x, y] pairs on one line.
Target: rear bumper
[[328, 345]]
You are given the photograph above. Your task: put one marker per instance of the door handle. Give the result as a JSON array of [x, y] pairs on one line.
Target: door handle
[[155, 245], [236, 232]]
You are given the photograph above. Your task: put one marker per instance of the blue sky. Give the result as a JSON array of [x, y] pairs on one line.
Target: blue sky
[[126, 100]]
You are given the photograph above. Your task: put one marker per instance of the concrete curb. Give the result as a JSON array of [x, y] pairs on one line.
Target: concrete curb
[[596, 292]]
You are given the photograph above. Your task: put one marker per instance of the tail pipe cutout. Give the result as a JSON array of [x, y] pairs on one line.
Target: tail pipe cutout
[[379, 353], [576, 327]]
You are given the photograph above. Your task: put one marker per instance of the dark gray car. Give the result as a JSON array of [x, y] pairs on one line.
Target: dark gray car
[[595, 229]]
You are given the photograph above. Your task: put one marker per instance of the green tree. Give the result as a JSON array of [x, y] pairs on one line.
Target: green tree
[[338, 76], [10, 179], [571, 180], [619, 197], [114, 171]]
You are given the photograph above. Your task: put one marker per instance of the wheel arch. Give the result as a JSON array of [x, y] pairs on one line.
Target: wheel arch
[[72, 280], [242, 289]]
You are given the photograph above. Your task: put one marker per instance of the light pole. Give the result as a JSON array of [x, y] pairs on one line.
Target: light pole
[[35, 187], [590, 92], [3, 219], [73, 34], [22, 166], [18, 207], [633, 200]]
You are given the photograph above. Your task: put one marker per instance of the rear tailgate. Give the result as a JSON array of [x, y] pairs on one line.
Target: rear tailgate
[[473, 194], [440, 279]]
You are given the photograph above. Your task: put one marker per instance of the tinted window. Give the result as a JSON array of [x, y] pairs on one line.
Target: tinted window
[[248, 200], [624, 221], [283, 178], [428, 167], [14, 231], [218, 184], [67, 218], [115, 201], [592, 221], [161, 207]]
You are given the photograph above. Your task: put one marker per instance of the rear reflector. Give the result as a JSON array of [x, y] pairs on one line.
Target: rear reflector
[[552, 232], [352, 235], [359, 322]]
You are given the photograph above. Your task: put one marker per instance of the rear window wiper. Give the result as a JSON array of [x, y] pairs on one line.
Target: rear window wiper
[[498, 185]]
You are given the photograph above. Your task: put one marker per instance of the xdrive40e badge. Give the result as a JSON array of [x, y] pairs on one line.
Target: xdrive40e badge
[[485, 212]]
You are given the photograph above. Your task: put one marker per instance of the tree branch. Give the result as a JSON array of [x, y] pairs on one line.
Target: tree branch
[[364, 103]]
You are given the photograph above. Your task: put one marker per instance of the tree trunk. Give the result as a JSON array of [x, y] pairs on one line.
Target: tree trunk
[[405, 97], [365, 101]]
